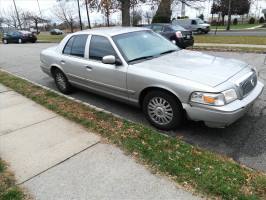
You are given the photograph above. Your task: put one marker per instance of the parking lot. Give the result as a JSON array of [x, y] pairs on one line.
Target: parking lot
[[244, 141]]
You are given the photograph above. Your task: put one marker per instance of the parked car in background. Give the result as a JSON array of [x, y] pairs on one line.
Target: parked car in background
[[18, 37], [140, 67], [175, 33], [56, 32], [195, 25]]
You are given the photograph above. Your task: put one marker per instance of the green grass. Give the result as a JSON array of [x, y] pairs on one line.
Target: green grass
[[8, 189], [193, 168], [229, 49], [257, 40], [239, 26], [47, 37]]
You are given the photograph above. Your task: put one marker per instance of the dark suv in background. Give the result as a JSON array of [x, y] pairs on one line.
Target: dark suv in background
[[176, 34], [19, 37]]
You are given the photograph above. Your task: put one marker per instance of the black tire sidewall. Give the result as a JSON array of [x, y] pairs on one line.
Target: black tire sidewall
[[175, 104], [68, 87]]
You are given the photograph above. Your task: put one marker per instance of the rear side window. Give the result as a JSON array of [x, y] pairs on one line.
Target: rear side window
[[76, 45], [100, 47], [167, 29], [157, 28]]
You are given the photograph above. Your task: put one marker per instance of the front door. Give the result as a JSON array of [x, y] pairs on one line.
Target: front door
[[106, 78]]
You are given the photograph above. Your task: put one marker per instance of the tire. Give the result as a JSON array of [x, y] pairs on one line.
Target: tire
[[61, 82], [20, 41], [5, 41], [199, 31], [163, 110]]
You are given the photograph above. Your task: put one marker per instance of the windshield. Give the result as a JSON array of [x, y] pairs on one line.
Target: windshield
[[200, 21], [177, 28], [143, 45]]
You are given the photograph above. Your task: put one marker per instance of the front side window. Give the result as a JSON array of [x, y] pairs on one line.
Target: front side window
[[76, 46], [99, 47]]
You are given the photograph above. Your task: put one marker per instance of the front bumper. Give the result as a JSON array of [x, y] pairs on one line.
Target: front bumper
[[219, 117]]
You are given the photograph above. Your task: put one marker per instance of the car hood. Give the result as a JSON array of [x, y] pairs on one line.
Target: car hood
[[195, 66]]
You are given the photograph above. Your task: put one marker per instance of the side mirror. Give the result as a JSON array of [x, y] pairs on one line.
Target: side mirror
[[111, 60]]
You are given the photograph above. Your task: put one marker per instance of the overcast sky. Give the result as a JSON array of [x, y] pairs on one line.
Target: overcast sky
[[47, 8]]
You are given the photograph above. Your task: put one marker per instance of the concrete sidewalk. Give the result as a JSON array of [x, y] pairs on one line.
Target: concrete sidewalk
[[231, 45], [54, 158]]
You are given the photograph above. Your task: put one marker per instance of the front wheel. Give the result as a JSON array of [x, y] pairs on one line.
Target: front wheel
[[163, 110], [5, 41], [61, 82], [20, 41]]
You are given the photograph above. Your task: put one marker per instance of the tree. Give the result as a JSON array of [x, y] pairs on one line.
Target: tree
[[90, 4], [231, 7], [35, 19], [164, 12], [65, 13], [107, 7], [125, 8]]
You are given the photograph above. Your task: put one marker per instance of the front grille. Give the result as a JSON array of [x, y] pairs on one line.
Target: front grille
[[249, 84]]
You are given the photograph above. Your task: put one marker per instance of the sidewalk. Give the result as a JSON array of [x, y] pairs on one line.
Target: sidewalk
[[54, 158], [231, 45]]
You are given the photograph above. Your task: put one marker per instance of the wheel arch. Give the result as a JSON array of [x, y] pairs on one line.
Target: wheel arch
[[55, 67], [145, 91]]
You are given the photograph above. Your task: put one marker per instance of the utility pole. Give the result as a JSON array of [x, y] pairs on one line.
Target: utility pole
[[19, 23], [88, 14], [229, 15], [80, 22], [183, 9]]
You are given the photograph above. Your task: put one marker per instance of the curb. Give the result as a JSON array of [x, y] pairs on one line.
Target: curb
[[68, 97]]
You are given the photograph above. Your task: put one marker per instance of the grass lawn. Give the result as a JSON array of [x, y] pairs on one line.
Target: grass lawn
[[47, 37], [239, 26], [191, 167], [229, 49], [258, 40], [8, 190]]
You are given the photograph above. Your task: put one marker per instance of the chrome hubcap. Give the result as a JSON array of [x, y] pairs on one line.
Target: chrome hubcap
[[160, 111], [19, 41], [5, 41], [60, 79]]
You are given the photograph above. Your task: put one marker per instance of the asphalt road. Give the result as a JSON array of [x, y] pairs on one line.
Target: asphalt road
[[244, 141], [240, 33]]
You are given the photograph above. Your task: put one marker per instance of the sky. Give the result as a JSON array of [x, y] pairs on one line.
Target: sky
[[47, 7]]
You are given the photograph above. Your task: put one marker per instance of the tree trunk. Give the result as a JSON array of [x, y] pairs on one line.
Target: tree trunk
[[80, 22], [229, 16], [163, 13], [125, 8], [88, 14], [107, 17]]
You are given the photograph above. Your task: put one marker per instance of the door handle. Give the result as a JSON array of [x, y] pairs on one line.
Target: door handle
[[89, 68], [63, 62]]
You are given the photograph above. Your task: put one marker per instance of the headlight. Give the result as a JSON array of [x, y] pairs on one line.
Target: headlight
[[214, 99]]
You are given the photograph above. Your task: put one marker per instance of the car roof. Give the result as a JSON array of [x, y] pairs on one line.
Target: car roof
[[112, 31]]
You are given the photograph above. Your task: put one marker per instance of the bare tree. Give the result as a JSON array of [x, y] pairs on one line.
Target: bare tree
[[107, 7], [90, 4], [35, 19], [65, 13]]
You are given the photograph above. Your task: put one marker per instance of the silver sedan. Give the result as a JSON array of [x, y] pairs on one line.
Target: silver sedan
[[140, 67]]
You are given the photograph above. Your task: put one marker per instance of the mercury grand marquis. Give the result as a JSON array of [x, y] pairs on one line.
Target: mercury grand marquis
[[140, 67]]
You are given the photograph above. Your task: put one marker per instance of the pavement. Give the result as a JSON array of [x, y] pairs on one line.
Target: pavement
[[54, 158], [244, 141], [230, 45]]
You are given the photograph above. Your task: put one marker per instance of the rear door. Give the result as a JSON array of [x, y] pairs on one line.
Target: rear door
[[73, 59]]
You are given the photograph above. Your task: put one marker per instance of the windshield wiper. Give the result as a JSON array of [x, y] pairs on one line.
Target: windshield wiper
[[167, 52], [141, 58]]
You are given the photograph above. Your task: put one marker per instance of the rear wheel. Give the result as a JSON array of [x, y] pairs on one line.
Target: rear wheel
[[163, 110], [61, 82]]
